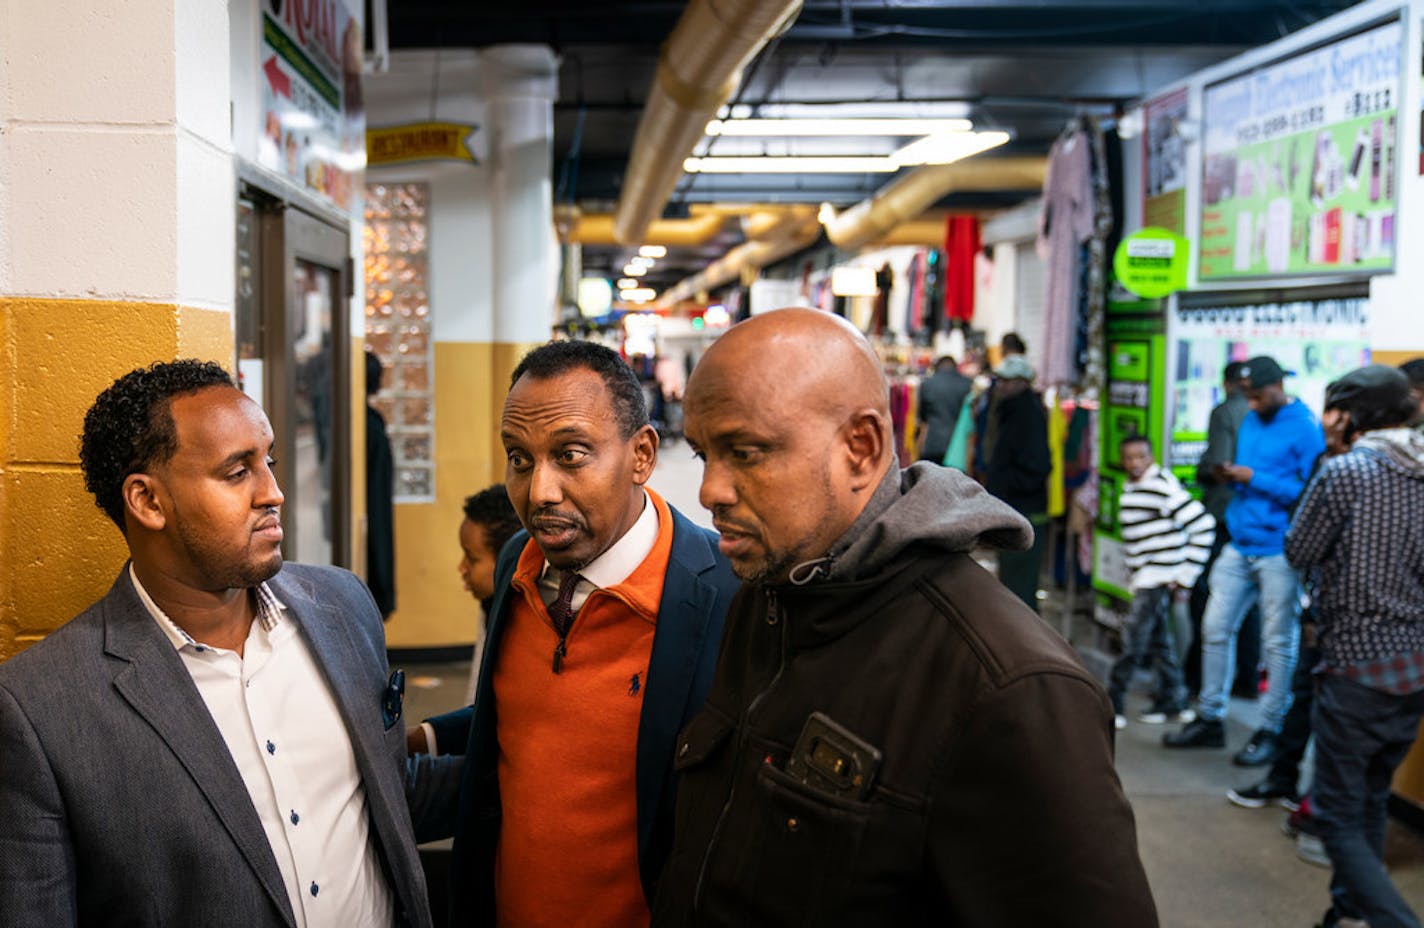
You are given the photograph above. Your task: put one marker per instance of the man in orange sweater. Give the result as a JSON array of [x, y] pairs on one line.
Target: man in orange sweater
[[602, 643]]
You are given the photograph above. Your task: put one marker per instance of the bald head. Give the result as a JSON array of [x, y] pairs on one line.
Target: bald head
[[790, 413], [809, 361]]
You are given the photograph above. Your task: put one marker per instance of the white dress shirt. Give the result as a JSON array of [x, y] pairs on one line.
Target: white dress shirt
[[287, 738]]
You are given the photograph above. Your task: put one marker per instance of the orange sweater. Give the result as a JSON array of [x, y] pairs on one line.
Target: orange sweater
[[568, 841]]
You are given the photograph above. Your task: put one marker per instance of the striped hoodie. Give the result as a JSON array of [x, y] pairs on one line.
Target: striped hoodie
[[1166, 533]]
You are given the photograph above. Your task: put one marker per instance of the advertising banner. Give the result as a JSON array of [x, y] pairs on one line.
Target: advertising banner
[[1318, 339], [1164, 152], [1299, 163], [313, 128]]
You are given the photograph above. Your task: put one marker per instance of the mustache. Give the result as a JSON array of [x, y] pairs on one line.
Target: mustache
[[553, 518], [724, 523], [270, 516]]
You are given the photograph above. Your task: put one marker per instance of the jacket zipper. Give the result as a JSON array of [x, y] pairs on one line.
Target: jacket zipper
[[773, 618]]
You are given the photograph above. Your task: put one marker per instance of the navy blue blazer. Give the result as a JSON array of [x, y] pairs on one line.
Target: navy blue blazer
[[696, 592]]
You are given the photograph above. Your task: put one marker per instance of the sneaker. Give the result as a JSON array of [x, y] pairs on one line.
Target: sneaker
[[1300, 822], [1257, 795], [1119, 721], [1310, 849], [1198, 733], [1258, 752], [1160, 716]]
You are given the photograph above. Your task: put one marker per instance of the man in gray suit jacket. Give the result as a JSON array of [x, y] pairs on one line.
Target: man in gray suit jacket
[[215, 742]]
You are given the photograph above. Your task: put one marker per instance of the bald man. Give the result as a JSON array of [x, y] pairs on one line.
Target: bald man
[[892, 737]]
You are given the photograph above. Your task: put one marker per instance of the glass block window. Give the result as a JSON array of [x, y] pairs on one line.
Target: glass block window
[[398, 329]]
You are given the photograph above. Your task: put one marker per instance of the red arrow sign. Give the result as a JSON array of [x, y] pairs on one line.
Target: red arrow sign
[[281, 83]]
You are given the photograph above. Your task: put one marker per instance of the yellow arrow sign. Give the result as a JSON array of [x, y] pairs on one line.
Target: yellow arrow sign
[[423, 141]]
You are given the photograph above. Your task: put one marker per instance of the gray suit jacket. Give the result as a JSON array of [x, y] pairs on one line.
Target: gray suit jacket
[[119, 802]]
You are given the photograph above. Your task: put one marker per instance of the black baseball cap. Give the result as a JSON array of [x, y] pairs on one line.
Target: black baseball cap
[[1235, 370], [1263, 370], [1374, 395]]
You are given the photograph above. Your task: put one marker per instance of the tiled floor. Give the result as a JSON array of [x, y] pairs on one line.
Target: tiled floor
[[1211, 865]]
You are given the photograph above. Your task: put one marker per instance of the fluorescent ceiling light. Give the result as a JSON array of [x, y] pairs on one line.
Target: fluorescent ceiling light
[[652, 251], [634, 270], [835, 127], [638, 295], [641, 261], [627, 283], [941, 148], [948, 147], [789, 165]]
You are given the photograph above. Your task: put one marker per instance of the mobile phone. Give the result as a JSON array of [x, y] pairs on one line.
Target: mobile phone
[[831, 759]]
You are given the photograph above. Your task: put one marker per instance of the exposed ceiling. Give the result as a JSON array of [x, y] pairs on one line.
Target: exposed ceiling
[[1026, 67]]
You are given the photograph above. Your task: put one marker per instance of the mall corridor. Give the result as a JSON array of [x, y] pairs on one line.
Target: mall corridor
[[1210, 864]]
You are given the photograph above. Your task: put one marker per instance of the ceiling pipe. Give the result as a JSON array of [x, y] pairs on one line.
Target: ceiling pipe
[[786, 231], [597, 228], [698, 71], [905, 198]]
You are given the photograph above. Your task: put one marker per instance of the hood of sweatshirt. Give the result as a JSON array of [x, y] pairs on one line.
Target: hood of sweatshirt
[[924, 504], [1402, 448]]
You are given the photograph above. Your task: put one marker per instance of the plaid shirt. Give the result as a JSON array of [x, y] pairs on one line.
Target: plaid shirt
[[1400, 675]]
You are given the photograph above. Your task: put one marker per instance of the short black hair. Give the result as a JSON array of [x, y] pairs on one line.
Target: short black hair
[[555, 358], [1414, 370], [1135, 438], [1012, 342], [491, 509], [946, 362], [130, 426], [374, 368]]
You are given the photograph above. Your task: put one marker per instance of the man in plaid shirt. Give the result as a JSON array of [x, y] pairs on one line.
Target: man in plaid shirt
[[1359, 525]]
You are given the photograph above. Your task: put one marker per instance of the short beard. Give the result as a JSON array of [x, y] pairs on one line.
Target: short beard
[[775, 568]]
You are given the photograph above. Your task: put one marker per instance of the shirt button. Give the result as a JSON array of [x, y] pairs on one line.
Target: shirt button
[[271, 748], [793, 824], [315, 888], [295, 817]]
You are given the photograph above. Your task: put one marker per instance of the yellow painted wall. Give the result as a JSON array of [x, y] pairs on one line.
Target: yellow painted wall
[[1393, 358], [58, 552], [432, 608]]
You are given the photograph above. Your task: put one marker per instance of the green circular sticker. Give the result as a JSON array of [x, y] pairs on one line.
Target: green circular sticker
[[1152, 263]]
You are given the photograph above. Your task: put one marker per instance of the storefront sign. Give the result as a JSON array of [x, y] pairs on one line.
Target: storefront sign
[[424, 141], [1164, 152], [310, 74], [1318, 339], [1299, 163], [1152, 263]]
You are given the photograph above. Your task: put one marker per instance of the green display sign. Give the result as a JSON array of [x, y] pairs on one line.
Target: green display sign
[[1152, 263], [1300, 163]]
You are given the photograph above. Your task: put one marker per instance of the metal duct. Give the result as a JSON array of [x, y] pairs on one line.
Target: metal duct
[[700, 67], [699, 228], [787, 231], [910, 195]]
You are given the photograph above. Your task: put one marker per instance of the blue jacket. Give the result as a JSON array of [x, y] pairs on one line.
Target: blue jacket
[[1280, 454], [697, 589]]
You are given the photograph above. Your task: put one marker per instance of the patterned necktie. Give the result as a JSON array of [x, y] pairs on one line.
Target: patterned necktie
[[561, 610]]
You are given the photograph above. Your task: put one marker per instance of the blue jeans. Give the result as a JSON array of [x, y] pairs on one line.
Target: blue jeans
[[1238, 581], [1147, 631], [1361, 736]]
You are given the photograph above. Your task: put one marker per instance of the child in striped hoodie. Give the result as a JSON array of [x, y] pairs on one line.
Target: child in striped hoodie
[[1166, 536]]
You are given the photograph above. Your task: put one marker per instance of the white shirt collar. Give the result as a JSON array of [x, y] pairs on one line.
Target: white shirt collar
[[617, 564], [269, 612]]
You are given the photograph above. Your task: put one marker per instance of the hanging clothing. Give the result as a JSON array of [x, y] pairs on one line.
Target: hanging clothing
[[1066, 222], [961, 253]]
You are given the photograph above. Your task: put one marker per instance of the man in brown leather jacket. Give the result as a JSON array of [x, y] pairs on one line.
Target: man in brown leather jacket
[[892, 738]]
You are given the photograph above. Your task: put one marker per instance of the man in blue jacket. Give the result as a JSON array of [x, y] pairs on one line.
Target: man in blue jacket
[[1279, 440], [603, 638]]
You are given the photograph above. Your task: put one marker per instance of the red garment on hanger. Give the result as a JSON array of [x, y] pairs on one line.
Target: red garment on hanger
[[961, 247]]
